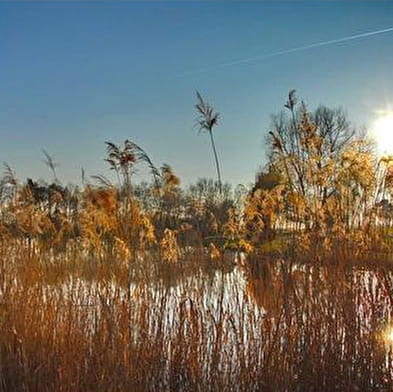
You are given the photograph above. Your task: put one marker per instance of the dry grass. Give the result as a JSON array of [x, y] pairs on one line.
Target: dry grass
[[143, 289], [266, 326]]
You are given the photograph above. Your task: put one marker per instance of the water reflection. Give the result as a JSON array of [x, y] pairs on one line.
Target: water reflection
[[258, 316]]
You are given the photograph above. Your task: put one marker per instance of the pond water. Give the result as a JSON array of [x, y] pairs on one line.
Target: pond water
[[260, 318]]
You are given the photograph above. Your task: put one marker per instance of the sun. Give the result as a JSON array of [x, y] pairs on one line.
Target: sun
[[382, 132]]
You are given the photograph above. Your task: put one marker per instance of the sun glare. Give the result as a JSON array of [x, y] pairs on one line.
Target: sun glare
[[383, 133], [387, 336]]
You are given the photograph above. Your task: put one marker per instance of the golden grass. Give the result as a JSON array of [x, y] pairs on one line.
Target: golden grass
[[104, 290], [271, 325]]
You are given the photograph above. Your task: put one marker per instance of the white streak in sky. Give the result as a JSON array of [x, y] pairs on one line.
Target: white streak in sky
[[292, 50]]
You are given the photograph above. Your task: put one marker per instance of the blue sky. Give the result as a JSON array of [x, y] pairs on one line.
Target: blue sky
[[75, 74]]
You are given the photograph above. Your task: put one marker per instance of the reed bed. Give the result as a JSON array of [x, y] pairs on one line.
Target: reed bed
[[286, 286], [264, 325]]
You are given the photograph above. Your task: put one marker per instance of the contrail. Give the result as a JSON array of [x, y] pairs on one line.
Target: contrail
[[292, 50]]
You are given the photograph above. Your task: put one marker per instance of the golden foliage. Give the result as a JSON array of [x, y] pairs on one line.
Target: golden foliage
[[214, 252], [105, 199], [170, 250]]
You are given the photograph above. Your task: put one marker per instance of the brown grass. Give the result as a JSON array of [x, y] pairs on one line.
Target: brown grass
[[67, 325], [143, 288]]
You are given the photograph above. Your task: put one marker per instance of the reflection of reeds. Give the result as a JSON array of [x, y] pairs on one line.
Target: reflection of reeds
[[73, 326]]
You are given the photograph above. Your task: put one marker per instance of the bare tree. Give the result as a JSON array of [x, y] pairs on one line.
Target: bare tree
[[322, 164], [303, 141]]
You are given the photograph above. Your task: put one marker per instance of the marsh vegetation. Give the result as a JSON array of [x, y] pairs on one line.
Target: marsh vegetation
[[125, 286]]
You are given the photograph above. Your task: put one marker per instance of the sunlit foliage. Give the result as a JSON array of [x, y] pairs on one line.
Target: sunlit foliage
[[126, 285]]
